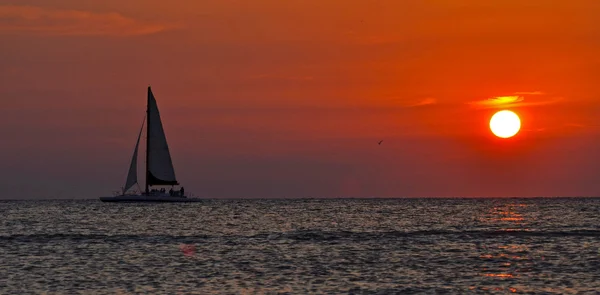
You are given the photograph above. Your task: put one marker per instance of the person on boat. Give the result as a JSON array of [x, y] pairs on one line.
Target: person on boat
[[181, 191], [171, 192]]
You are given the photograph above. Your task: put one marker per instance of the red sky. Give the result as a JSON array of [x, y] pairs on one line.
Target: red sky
[[289, 98]]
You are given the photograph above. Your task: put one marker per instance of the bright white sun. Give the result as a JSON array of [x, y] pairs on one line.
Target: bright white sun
[[505, 124]]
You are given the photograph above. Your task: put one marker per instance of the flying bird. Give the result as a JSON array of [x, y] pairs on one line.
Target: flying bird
[[379, 143]]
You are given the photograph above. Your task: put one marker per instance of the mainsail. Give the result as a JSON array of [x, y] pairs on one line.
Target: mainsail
[[159, 167], [132, 175]]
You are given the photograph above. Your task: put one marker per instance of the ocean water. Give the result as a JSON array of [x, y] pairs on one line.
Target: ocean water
[[311, 246]]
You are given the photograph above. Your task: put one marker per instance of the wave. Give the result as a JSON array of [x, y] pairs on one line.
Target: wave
[[472, 234], [303, 236], [97, 237]]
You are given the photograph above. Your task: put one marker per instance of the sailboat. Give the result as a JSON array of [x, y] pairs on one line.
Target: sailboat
[[159, 167]]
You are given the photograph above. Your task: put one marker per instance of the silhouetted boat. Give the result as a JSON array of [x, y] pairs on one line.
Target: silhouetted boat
[[159, 167]]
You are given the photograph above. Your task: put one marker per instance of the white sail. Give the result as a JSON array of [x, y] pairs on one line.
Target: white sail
[[159, 165], [132, 175]]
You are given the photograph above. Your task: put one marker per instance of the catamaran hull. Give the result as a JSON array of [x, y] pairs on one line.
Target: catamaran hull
[[141, 198]]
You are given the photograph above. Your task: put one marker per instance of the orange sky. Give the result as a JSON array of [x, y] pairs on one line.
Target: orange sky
[[289, 98]]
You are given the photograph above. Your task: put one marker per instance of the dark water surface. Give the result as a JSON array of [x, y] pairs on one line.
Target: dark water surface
[[357, 246]]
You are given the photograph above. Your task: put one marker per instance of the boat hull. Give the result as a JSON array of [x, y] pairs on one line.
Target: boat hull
[[149, 199]]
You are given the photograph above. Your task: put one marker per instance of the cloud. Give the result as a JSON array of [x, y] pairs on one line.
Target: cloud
[[529, 93], [535, 129], [516, 100], [498, 101], [281, 77], [422, 102], [575, 125], [47, 21]]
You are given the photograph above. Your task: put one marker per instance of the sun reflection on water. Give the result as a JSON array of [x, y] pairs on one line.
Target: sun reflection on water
[[503, 258]]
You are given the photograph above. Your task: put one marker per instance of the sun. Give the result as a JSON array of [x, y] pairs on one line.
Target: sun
[[505, 124]]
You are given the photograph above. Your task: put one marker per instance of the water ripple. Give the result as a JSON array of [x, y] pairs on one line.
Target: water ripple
[[402, 246]]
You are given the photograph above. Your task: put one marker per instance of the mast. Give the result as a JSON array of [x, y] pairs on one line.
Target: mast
[[148, 141]]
